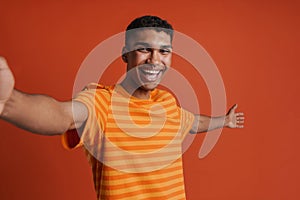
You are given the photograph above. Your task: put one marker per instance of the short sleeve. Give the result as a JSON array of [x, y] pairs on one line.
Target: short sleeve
[[90, 134], [187, 120]]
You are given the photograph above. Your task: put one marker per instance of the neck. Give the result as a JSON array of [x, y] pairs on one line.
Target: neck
[[130, 87]]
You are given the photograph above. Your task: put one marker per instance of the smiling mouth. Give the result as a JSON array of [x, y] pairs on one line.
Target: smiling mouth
[[150, 75]]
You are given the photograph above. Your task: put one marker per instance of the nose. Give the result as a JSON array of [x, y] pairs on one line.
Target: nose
[[154, 57]]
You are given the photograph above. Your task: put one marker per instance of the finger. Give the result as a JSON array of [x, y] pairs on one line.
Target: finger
[[234, 107], [240, 114], [239, 126], [240, 118], [3, 63]]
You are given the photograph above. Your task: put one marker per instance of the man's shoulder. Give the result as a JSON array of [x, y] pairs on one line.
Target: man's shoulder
[[98, 87], [96, 91]]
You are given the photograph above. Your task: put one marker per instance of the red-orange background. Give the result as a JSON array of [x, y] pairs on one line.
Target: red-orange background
[[255, 45]]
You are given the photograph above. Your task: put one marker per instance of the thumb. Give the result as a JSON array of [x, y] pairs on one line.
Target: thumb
[[3, 63], [232, 109], [235, 106]]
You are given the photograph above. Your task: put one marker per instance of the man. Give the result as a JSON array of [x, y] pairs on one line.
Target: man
[[132, 131]]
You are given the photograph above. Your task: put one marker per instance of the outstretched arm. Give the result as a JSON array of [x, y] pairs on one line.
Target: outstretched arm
[[232, 119], [39, 114]]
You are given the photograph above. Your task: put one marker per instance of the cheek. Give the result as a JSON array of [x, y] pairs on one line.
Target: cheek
[[168, 60], [136, 58]]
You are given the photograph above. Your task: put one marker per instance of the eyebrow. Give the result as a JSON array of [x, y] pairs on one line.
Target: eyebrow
[[148, 45]]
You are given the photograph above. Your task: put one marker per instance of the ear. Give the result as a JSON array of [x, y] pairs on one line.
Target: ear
[[124, 55]]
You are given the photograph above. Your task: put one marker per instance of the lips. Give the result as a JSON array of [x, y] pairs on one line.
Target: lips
[[150, 75]]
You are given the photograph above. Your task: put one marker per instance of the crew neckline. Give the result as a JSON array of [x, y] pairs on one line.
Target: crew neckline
[[120, 89]]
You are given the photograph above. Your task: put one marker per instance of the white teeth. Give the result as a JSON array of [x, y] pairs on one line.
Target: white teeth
[[151, 76], [151, 71]]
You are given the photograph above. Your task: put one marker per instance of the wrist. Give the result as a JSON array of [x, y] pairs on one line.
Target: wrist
[[4, 104], [226, 121], [1, 108]]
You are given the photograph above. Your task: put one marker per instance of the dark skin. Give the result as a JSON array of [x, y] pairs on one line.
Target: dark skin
[[149, 55], [154, 50]]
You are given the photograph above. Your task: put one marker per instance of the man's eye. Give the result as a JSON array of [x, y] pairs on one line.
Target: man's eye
[[144, 49], [165, 51]]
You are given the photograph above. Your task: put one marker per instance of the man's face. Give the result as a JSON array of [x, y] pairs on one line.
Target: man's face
[[149, 55]]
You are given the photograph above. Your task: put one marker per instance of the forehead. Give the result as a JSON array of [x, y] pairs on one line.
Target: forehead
[[149, 37]]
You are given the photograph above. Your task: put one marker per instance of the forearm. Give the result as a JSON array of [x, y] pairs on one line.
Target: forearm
[[36, 113], [203, 123]]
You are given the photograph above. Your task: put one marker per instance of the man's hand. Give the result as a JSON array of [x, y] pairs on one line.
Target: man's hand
[[37, 113], [233, 119], [7, 83]]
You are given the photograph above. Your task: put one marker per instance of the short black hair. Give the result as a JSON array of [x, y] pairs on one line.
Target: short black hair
[[149, 21]]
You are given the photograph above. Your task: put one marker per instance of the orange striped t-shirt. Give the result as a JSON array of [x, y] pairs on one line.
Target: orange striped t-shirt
[[133, 145]]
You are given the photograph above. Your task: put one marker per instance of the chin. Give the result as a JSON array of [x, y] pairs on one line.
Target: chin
[[149, 87]]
